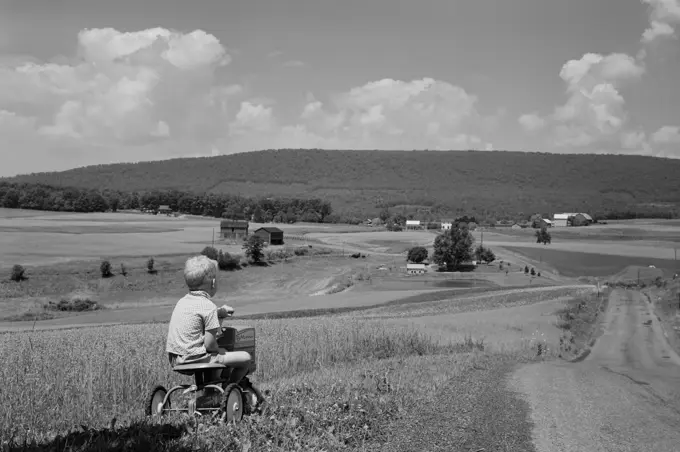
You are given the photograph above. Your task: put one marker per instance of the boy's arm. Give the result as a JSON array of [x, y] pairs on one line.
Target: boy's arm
[[211, 325], [224, 311]]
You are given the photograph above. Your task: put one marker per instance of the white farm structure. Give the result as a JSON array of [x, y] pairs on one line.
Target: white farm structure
[[413, 224]]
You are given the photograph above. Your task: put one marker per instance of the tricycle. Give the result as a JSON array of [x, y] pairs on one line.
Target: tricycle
[[211, 382]]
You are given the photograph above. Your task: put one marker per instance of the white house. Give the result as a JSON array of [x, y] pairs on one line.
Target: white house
[[415, 269], [446, 225]]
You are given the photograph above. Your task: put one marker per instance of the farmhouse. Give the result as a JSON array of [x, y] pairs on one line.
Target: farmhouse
[[581, 219], [413, 224], [415, 269], [164, 210], [233, 229], [446, 224], [271, 235]]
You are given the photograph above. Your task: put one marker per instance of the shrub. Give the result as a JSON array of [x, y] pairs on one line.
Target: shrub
[[210, 252], [123, 270], [301, 251], [105, 268], [18, 273], [149, 265], [74, 303], [539, 274], [226, 261]]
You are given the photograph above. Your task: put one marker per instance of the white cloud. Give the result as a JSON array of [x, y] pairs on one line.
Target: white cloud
[[125, 88], [663, 16], [667, 135], [594, 112], [385, 114], [531, 122]]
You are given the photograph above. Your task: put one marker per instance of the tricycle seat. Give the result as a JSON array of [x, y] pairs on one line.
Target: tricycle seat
[[194, 368]]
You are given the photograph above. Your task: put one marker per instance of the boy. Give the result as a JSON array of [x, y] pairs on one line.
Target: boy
[[195, 323]]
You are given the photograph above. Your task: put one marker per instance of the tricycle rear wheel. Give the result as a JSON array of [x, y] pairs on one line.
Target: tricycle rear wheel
[[154, 402], [232, 403]]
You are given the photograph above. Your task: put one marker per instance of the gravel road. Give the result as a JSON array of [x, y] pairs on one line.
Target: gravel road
[[625, 396]]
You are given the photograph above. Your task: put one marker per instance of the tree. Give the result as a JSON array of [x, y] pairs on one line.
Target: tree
[[253, 248], [488, 256], [484, 254], [417, 254], [535, 220], [543, 236], [453, 247], [210, 253], [526, 269], [533, 272]]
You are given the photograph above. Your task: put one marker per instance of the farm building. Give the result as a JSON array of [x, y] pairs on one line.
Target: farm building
[[562, 220], [545, 223], [164, 210], [516, 226], [572, 219], [415, 269], [233, 229], [271, 235], [446, 225], [413, 224], [581, 219]]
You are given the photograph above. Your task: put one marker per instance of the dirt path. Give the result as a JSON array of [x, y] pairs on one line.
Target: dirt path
[[625, 396]]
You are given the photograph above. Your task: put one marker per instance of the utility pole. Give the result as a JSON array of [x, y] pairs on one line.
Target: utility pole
[[213, 238], [482, 245]]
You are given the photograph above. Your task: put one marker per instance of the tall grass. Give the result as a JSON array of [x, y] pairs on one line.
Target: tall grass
[[54, 380]]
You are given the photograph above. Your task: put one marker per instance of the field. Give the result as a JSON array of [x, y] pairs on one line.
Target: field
[[575, 264], [342, 341]]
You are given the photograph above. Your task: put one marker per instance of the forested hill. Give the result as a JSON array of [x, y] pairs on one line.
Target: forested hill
[[485, 183]]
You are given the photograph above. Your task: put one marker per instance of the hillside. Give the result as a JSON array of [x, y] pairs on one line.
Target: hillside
[[485, 183]]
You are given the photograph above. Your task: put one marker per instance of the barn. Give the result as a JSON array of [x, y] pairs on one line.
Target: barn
[[545, 223], [581, 219], [164, 210], [233, 229], [562, 220], [271, 235]]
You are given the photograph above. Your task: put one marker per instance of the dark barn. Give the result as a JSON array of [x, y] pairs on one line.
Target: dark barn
[[233, 229], [271, 235]]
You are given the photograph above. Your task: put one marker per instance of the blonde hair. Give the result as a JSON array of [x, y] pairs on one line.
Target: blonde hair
[[199, 270]]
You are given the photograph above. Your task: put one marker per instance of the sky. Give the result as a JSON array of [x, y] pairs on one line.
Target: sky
[[86, 82]]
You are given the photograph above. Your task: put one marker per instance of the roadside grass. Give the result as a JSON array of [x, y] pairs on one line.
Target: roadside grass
[[665, 299], [579, 321]]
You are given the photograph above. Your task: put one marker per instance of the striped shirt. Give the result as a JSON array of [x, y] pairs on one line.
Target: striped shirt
[[193, 315]]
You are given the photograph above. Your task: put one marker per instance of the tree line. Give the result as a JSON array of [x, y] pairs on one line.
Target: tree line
[[70, 199]]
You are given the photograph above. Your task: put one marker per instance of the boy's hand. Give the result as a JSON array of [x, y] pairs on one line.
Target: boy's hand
[[225, 311]]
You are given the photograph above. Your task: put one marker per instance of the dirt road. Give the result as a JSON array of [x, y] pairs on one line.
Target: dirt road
[[625, 396]]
